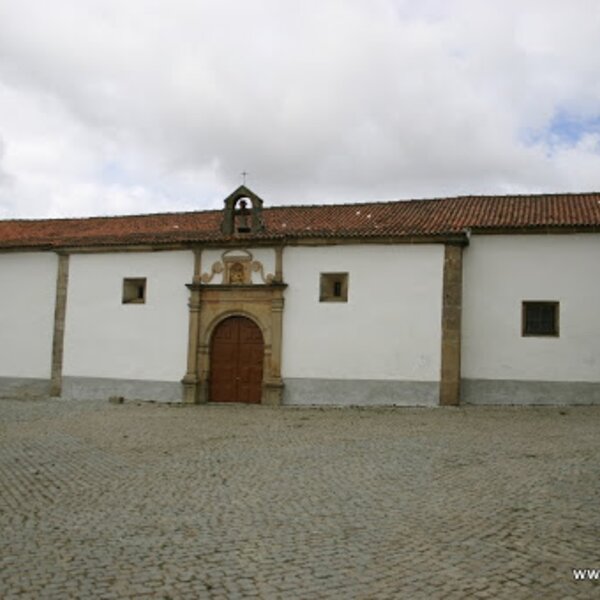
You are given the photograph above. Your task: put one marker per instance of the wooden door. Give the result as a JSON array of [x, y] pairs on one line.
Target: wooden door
[[236, 361]]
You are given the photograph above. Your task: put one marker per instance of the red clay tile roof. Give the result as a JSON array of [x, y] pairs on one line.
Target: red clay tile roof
[[402, 219]]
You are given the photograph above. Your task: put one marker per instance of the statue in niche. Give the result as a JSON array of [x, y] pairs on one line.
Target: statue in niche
[[236, 273]]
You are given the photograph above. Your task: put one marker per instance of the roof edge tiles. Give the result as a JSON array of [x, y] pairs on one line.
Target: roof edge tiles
[[400, 219]]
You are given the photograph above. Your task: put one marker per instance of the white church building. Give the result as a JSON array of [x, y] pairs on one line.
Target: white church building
[[467, 300]]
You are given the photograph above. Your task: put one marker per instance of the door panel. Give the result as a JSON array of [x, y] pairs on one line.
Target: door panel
[[236, 359]]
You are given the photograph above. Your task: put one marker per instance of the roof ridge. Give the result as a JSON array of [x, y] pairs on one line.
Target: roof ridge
[[305, 206], [433, 199]]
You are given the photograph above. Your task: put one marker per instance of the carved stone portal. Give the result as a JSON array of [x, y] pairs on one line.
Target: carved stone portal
[[209, 306]]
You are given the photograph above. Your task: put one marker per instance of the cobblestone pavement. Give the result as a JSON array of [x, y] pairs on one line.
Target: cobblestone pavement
[[154, 501]]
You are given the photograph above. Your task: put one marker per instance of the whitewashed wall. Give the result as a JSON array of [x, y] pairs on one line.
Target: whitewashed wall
[[105, 338], [390, 329], [502, 271], [27, 299]]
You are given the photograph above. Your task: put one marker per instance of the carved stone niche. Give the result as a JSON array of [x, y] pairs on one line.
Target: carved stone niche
[[236, 267], [237, 273], [243, 213]]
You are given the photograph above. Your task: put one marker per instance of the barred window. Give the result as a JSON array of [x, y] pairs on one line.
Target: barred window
[[540, 318]]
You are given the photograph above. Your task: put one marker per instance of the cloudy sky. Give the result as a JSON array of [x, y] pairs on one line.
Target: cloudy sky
[[132, 106]]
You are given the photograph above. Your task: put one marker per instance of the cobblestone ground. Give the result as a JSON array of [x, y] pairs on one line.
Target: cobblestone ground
[[113, 501]]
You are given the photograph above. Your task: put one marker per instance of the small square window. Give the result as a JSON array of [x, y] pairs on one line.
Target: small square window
[[134, 290], [540, 318], [334, 287]]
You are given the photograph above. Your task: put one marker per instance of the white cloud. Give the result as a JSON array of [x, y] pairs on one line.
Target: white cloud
[[142, 105]]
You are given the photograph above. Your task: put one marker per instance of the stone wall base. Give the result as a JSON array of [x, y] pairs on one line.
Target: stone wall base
[[97, 388], [504, 392], [360, 392], [24, 387], [340, 392]]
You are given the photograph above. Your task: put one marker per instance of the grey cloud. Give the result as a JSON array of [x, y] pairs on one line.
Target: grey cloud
[[322, 101], [6, 179]]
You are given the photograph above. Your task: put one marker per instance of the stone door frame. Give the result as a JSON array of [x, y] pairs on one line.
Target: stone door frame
[[211, 304]]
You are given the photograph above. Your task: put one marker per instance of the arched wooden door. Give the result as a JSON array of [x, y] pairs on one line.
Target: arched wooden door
[[236, 361]]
